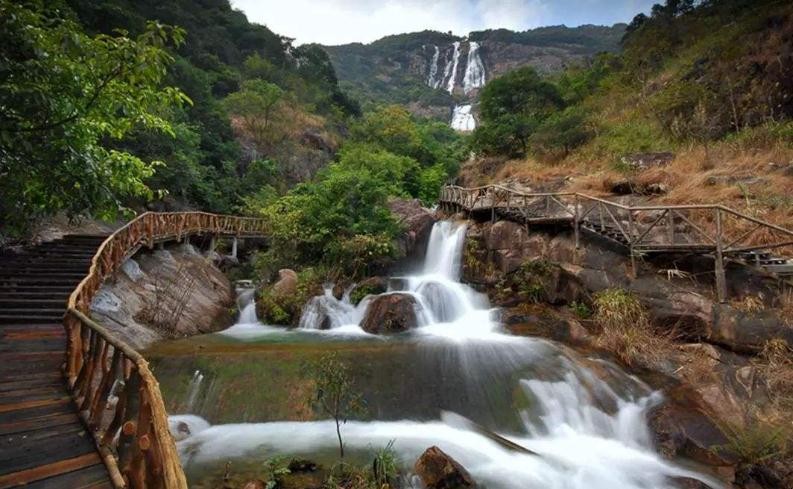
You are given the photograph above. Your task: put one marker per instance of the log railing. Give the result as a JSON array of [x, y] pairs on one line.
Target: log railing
[[707, 228], [117, 396]]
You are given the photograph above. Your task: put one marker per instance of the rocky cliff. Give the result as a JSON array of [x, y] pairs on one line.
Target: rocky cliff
[[440, 75]]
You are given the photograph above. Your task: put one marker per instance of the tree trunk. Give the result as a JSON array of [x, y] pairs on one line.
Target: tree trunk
[[338, 434]]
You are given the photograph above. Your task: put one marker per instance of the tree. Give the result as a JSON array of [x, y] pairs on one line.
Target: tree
[[65, 97], [561, 132], [512, 108], [255, 106], [333, 392]]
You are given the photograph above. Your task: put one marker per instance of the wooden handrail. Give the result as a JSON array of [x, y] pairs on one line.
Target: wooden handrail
[[118, 397], [648, 228]]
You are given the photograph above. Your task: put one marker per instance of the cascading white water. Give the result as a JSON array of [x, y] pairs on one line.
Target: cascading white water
[[474, 69], [432, 80], [451, 71], [192, 390], [463, 119], [588, 433], [247, 305]]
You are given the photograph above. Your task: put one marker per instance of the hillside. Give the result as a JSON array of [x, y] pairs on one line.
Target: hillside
[[432, 72]]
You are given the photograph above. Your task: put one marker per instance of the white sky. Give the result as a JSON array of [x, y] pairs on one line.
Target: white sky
[[343, 21]]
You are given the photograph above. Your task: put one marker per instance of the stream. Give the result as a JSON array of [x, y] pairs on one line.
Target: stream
[[240, 395]]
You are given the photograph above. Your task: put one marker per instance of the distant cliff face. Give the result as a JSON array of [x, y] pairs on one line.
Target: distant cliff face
[[440, 75]]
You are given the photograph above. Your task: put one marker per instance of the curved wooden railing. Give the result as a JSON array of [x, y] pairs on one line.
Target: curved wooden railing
[[703, 228], [117, 396]]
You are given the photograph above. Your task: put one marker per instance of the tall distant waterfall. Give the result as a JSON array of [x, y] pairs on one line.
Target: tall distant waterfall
[[452, 68], [473, 78], [433, 81], [474, 69]]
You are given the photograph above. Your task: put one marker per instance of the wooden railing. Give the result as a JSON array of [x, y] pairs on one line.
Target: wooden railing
[[708, 228], [117, 396]]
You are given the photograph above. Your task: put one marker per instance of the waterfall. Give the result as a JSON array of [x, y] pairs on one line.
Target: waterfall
[[451, 71], [474, 69], [432, 81], [463, 119], [327, 312], [247, 304], [589, 430], [193, 388]]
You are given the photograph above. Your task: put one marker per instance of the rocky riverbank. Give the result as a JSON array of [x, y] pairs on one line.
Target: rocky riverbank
[[724, 398], [168, 293]]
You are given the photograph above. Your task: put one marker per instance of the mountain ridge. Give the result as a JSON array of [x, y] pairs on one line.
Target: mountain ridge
[[418, 69]]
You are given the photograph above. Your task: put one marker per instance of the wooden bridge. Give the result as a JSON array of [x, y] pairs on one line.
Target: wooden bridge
[[80, 408], [714, 230]]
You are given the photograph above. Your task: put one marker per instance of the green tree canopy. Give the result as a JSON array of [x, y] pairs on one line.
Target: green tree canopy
[[512, 108], [64, 95]]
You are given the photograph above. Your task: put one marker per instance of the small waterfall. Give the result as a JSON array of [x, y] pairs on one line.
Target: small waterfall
[[192, 391], [432, 81], [247, 304], [463, 119], [474, 69], [451, 70], [327, 312]]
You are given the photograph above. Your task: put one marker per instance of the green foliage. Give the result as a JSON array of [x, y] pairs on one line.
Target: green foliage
[[274, 469], [618, 308], [581, 310], [385, 466], [254, 104], [561, 132], [284, 309], [528, 281], [334, 393], [755, 442], [513, 107], [65, 95]]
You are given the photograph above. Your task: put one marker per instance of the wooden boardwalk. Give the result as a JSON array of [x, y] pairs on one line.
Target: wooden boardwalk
[[44, 443], [712, 230]]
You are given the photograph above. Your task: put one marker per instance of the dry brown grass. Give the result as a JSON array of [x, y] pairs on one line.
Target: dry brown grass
[[627, 331], [776, 365]]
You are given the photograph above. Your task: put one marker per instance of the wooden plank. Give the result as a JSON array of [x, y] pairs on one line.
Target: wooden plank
[[16, 406], [44, 451], [49, 470], [93, 477]]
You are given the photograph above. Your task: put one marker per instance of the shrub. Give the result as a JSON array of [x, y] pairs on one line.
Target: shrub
[[755, 442], [626, 329], [581, 310]]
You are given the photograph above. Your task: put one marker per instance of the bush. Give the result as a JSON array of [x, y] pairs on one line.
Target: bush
[[626, 329], [562, 132]]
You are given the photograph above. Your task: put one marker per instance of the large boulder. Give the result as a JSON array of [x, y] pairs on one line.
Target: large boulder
[[287, 282], [390, 313], [416, 222], [437, 470]]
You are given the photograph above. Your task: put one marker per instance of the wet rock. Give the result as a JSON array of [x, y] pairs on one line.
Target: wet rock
[[416, 221], [437, 470], [687, 432], [338, 291], [255, 484], [391, 313], [287, 282], [746, 332], [370, 286]]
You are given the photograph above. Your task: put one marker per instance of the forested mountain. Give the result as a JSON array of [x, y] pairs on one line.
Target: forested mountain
[[431, 72]]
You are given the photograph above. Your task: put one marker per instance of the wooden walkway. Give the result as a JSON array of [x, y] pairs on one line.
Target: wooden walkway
[[44, 443], [713, 230]]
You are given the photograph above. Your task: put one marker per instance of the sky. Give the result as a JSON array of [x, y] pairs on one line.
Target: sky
[[343, 21]]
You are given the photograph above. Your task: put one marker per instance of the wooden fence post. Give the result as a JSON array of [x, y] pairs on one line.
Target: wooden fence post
[[575, 222], [721, 279]]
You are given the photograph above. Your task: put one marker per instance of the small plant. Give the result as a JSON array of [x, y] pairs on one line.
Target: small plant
[[385, 466], [274, 469], [581, 310], [755, 442], [333, 392], [626, 328]]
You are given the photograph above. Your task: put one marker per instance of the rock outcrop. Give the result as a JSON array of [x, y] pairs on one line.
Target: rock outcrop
[[369, 286], [169, 293], [416, 222], [390, 313], [437, 470]]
